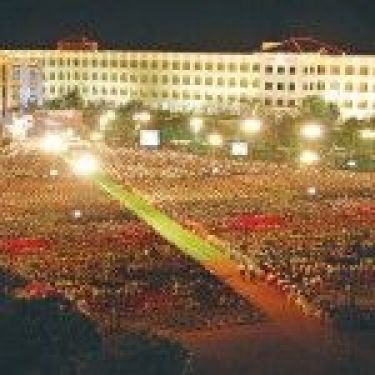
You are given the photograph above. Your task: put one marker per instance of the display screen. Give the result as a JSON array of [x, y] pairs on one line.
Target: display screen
[[239, 149], [149, 138]]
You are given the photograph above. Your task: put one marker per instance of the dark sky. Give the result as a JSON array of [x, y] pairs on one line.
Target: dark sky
[[230, 25]]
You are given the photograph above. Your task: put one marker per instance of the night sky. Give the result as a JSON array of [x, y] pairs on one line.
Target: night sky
[[212, 25]]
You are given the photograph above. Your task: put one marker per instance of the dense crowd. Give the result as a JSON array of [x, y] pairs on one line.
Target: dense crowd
[[61, 235], [321, 252]]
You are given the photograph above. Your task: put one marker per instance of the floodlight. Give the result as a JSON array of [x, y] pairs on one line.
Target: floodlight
[[215, 139], [367, 134], [144, 116], [53, 143], [351, 163], [251, 126], [311, 131], [309, 157], [311, 190], [77, 214], [53, 172], [85, 165], [196, 124]]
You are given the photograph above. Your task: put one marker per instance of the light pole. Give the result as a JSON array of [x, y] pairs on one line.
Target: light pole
[[141, 118], [196, 124], [251, 127], [215, 140]]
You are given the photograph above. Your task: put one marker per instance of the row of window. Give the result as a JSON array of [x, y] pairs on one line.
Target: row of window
[[319, 69], [362, 70], [348, 104], [187, 95], [155, 79], [173, 94], [153, 64], [362, 87]]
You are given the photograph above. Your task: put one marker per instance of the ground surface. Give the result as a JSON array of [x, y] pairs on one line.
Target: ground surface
[[289, 342]]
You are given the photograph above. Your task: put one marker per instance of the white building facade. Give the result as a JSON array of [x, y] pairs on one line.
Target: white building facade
[[207, 82]]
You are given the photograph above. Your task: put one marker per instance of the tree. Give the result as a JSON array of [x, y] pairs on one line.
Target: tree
[[314, 108], [71, 100]]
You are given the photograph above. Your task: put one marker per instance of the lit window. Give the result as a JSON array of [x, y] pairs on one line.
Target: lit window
[[335, 70], [244, 67], [197, 66], [349, 70], [268, 86], [363, 70], [244, 82], [348, 86], [321, 85], [321, 70], [363, 104], [256, 68], [363, 87]]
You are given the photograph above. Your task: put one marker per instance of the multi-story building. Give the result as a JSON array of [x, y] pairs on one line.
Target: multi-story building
[[20, 84], [280, 75]]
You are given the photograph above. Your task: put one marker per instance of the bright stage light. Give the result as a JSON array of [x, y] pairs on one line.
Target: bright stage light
[[53, 143], [311, 131], [85, 165], [351, 163], [311, 190], [77, 214], [309, 157], [251, 126], [367, 134], [215, 139], [53, 172], [142, 116], [196, 124]]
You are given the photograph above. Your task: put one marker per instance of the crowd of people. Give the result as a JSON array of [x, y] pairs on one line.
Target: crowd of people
[[60, 234], [321, 252]]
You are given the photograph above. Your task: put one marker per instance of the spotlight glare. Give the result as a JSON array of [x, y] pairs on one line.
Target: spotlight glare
[[85, 165], [53, 143], [309, 157], [311, 131]]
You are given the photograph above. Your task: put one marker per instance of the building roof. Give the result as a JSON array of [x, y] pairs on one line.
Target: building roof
[[77, 43], [302, 45]]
